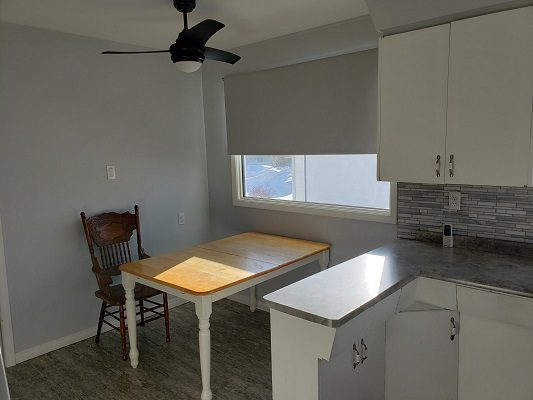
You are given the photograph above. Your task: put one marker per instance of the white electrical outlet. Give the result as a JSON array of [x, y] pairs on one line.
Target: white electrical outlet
[[454, 201], [181, 218], [111, 172]]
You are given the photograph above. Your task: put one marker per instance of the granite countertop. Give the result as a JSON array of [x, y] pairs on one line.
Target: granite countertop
[[336, 295]]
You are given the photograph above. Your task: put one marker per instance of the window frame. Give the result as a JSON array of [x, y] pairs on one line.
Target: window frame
[[328, 210]]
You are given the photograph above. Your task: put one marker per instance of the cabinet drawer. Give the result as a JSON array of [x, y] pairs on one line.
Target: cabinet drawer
[[506, 308]]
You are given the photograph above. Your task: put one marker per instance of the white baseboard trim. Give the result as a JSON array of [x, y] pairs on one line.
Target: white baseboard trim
[[6, 327], [47, 347], [244, 298]]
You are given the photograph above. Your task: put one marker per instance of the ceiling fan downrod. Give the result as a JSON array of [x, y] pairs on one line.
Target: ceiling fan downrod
[[185, 7]]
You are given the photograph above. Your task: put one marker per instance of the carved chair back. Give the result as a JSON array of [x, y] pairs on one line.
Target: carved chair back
[[108, 238]]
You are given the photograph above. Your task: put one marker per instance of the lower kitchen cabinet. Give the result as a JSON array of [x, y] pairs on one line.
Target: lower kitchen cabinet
[[339, 379], [495, 346], [403, 349], [360, 341], [422, 355]]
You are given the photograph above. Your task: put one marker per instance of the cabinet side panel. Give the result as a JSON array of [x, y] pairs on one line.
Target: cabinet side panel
[[296, 347]]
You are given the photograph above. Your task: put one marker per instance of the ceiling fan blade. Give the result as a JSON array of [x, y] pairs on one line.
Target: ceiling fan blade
[[201, 32], [135, 52], [221, 55]]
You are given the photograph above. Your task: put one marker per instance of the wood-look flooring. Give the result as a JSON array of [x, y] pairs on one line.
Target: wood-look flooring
[[241, 369]]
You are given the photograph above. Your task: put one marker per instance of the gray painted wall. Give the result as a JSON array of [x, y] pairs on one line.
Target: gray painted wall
[[349, 237], [66, 111]]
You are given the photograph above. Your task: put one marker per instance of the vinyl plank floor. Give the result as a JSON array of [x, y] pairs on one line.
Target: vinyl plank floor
[[240, 343]]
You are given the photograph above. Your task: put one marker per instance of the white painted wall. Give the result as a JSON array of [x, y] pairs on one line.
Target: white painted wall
[[65, 112], [349, 237]]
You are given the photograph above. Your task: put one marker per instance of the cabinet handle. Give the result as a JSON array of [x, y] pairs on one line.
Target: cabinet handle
[[453, 331], [437, 166], [364, 349], [451, 165], [356, 356]]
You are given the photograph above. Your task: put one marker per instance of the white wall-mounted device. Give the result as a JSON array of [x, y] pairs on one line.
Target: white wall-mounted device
[[447, 235], [111, 172]]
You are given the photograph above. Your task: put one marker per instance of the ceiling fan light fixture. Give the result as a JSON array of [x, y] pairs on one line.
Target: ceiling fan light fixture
[[188, 66], [190, 51]]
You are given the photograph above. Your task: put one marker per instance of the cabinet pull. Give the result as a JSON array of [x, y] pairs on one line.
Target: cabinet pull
[[356, 356], [364, 349], [437, 166], [451, 165], [453, 331]]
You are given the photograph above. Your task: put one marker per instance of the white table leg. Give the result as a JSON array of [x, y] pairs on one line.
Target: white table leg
[[203, 311], [253, 299], [323, 260], [129, 286]]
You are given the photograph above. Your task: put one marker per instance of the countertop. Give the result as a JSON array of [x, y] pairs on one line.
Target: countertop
[[338, 294]]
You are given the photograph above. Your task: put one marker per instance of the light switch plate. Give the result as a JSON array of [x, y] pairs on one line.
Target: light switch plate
[[111, 172], [454, 201], [181, 218]]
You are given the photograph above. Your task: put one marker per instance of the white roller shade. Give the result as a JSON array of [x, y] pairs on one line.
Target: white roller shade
[[326, 106]]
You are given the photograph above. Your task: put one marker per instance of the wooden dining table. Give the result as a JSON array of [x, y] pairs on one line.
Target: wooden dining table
[[211, 271]]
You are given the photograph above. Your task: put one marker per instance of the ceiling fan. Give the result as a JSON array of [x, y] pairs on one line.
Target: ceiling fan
[[189, 51]]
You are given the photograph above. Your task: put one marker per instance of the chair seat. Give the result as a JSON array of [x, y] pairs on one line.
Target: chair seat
[[118, 295]]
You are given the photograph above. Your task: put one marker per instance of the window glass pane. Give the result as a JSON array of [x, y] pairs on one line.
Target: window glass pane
[[268, 177], [347, 180]]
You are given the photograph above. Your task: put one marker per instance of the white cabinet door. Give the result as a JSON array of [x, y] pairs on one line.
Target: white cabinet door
[[413, 95], [338, 380], [421, 359], [496, 346], [490, 97]]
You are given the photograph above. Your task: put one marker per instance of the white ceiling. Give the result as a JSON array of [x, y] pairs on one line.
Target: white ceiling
[[156, 23]]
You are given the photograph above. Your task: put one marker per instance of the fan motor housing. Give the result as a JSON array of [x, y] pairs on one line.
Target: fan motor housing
[[178, 53], [184, 6]]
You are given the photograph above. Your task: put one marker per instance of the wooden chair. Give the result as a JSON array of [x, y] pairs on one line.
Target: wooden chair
[[111, 234]]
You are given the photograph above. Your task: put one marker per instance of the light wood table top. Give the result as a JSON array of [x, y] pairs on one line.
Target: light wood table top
[[213, 266]]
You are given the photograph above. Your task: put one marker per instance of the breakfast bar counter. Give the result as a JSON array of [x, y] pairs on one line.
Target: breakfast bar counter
[[338, 294]]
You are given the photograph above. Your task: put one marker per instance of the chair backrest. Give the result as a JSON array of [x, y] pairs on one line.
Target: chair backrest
[[110, 234]]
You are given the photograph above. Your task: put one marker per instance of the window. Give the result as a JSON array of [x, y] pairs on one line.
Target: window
[[335, 185]]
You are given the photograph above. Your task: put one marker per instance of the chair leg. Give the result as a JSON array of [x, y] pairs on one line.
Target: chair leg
[[167, 321], [100, 321], [123, 332], [141, 309]]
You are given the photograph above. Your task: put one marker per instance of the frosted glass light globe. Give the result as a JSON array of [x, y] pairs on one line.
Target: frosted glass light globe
[[188, 66]]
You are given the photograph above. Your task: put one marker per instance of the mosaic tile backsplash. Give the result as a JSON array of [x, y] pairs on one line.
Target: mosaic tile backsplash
[[490, 212]]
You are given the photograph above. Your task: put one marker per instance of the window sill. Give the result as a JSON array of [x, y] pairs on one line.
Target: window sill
[[326, 210]]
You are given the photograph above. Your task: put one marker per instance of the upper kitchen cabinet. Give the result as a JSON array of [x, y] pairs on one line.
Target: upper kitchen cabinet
[[490, 99], [466, 87], [413, 95]]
